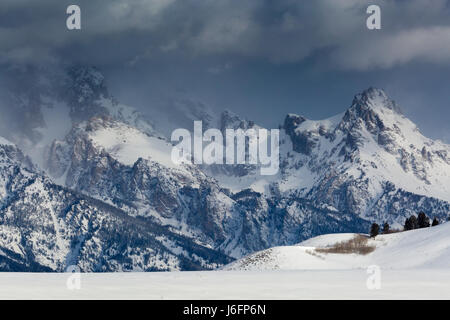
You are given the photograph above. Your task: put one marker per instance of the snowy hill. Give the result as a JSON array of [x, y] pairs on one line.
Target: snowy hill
[[420, 248]]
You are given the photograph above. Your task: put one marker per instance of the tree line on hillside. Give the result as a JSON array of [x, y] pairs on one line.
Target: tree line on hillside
[[411, 223]]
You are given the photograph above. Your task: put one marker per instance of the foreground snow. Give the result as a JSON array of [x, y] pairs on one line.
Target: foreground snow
[[413, 265], [337, 284]]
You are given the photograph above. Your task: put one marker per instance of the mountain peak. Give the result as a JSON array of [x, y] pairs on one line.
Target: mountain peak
[[375, 99], [86, 84], [87, 74], [5, 142], [372, 92], [372, 109], [230, 120]]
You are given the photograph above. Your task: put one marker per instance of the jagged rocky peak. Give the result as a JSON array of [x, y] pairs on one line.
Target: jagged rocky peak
[[375, 98], [230, 120], [372, 111], [99, 122], [372, 116], [73, 147], [5, 142], [11, 154], [88, 83], [195, 110], [36, 98], [371, 108], [292, 122], [300, 140], [304, 133], [85, 87]]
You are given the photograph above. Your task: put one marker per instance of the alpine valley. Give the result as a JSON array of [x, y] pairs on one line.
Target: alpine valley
[[88, 181]]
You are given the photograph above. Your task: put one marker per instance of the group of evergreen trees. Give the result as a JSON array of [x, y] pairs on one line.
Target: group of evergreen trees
[[413, 222], [422, 221]]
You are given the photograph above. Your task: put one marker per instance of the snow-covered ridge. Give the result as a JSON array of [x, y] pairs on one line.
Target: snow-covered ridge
[[420, 248], [127, 144], [5, 142]]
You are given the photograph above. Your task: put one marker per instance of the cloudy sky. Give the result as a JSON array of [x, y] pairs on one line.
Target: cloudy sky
[[259, 58]]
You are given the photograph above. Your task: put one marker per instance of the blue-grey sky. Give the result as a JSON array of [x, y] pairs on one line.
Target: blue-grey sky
[[259, 58]]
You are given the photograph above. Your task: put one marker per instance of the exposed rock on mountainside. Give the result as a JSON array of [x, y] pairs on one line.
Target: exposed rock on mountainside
[[45, 227]]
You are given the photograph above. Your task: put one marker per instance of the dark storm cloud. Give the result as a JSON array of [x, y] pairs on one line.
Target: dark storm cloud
[[260, 58], [283, 31]]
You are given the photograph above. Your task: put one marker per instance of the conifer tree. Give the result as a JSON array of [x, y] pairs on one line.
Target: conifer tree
[[374, 230], [422, 220], [435, 222], [386, 228], [411, 223]]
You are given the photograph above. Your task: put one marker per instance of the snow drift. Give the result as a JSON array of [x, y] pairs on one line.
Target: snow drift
[[420, 248]]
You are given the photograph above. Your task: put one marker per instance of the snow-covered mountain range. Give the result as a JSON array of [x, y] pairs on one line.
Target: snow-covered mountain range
[[88, 181]]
